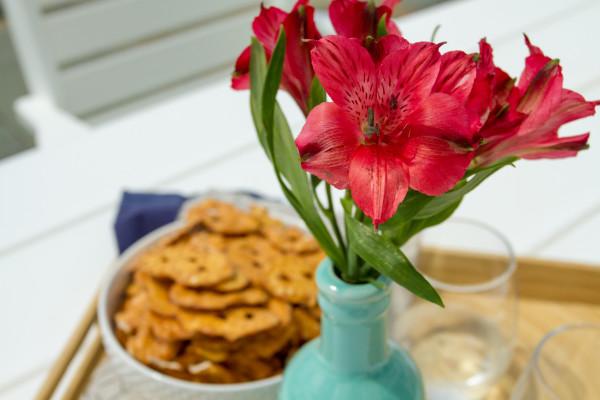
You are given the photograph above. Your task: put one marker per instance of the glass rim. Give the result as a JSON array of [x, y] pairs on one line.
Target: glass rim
[[511, 264], [549, 336]]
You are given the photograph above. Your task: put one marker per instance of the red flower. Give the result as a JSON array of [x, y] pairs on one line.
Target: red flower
[[300, 30], [240, 79], [359, 19], [385, 131], [534, 110], [474, 80]]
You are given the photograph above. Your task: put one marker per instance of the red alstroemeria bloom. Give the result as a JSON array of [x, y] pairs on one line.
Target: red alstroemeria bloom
[[474, 80], [300, 31], [385, 131], [359, 19], [541, 106]]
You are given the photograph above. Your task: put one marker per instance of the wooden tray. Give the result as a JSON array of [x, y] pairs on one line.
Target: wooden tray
[[551, 293]]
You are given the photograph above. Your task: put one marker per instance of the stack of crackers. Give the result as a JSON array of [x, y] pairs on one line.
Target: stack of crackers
[[227, 298]]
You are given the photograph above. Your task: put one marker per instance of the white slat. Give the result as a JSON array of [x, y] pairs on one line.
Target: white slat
[[152, 145], [101, 26], [54, 4], [123, 76], [464, 22]]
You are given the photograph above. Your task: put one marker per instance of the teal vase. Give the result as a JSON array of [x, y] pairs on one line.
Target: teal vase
[[353, 358]]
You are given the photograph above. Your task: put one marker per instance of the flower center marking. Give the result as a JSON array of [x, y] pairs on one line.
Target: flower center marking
[[371, 128]]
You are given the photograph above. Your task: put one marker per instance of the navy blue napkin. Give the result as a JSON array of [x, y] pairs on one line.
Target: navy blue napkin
[[141, 213]]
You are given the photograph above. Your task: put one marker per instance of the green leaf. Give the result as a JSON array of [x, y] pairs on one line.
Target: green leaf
[[412, 204], [438, 204], [389, 260], [504, 162], [382, 26], [271, 87], [418, 225], [258, 70], [315, 181], [347, 204], [278, 134], [286, 155], [280, 145], [317, 94], [287, 162]]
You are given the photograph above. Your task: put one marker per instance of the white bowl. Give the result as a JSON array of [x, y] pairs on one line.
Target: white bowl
[[153, 384]]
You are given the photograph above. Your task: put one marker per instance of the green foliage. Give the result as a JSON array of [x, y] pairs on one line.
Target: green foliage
[[277, 141], [388, 259], [258, 66], [317, 94], [437, 204], [382, 26], [419, 211]]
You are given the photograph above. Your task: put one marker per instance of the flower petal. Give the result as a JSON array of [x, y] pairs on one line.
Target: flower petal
[[444, 115], [240, 79], [405, 79], [387, 45], [538, 138], [349, 18], [347, 72], [300, 30], [558, 148], [480, 99], [572, 106], [266, 26], [413, 68], [533, 64], [532, 49], [310, 27], [456, 76], [435, 165], [326, 143], [378, 181], [542, 96]]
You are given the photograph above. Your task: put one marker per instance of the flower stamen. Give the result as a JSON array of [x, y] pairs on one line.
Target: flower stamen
[[371, 128]]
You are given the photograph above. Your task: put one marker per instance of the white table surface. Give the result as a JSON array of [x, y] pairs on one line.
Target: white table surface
[[57, 207]]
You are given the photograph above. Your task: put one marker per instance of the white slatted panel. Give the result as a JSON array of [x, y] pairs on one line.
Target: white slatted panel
[[101, 26], [121, 76], [54, 4], [496, 20], [89, 56]]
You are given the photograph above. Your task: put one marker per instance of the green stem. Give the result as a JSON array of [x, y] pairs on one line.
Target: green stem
[[318, 200], [332, 217], [351, 257]]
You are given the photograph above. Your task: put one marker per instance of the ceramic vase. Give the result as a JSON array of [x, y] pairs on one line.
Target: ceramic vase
[[353, 358]]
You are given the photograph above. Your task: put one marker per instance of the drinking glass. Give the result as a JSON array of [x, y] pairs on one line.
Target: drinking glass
[[464, 348], [564, 366]]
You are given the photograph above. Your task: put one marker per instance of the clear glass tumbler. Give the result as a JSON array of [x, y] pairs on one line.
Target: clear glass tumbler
[[464, 348], [565, 366]]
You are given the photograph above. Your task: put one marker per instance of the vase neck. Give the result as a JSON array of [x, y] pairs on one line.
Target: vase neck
[[353, 325]]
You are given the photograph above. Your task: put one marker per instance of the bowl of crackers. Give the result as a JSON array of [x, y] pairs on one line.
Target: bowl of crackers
[[214, 305]]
